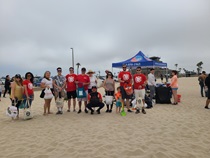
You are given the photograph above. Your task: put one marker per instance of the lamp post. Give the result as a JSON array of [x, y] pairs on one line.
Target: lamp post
[[72, 57]]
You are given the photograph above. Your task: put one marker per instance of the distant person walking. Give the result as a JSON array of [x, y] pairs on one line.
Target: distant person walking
[[201, 79], [7, 86], [0, 89], [151, 83], [207, 84], [161, 77], [174, 86]]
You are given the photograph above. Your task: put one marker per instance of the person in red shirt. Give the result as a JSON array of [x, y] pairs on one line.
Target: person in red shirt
[[125, 77], [28, 89], [83, 81], [95, 100], [71, 88], [140, 81]]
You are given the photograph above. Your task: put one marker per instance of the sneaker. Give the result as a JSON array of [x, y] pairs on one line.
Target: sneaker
[[107, 110], [110, 110], [92, 112], [86, 111], [98, 111], [57, 113], [74, 110], [206, 107], [68, 110], [137, 111], [143, 111], [129, 110], [61, 112], [79, 111]]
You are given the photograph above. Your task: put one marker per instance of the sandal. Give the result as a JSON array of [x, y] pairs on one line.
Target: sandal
[[174, 103]]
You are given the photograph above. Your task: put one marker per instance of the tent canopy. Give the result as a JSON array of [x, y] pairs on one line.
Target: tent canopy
[[139, 60]]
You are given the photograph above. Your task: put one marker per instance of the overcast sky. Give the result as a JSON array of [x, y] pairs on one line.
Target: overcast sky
[[36, 35]]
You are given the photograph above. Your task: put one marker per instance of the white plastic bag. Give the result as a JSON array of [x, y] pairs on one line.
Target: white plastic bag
[[12, 111], [59, 102], [48, 94], [108, 99]]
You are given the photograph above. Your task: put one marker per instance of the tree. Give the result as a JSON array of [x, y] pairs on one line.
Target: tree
[[78, 65], [199, 65]]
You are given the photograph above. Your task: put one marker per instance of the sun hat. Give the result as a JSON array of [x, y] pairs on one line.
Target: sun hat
[[90, 71]]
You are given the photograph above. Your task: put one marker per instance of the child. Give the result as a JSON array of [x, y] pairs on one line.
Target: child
[[118, 98]]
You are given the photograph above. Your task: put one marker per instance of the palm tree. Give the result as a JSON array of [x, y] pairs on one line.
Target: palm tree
[[199, 65], [78, 65]]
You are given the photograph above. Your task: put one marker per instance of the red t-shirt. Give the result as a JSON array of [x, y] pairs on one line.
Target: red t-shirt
[[29, 87], [125, 76], [83, 79], [139, 80], [70, 82]]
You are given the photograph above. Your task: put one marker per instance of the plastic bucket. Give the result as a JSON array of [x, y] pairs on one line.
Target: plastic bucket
[[179, 97]]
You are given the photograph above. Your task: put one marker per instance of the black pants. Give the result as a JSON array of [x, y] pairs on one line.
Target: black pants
[[5, 91], [100, 105], [16, 103], [202, 89]]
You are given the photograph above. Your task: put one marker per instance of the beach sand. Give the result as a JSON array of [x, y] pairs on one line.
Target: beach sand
[[166, 131]]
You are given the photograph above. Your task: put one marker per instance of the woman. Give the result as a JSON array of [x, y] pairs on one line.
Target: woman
[[109, 86], [93, 80], [28, 95], [47, 83], [17, 92], [7, 86], [174, 86]]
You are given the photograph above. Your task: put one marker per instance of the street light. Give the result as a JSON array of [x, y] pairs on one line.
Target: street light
[[72, 57]]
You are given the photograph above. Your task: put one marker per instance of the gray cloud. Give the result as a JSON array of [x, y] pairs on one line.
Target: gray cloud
[[37, 35]]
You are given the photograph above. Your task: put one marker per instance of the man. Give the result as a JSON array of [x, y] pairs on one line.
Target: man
[[59, 84], [151, 83], [125, 77], [140, 81], [71, 88], [201, 79], [83, 81], [95, 100], [207, 84]]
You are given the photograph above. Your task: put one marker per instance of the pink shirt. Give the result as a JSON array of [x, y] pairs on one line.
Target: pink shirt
[[174, 82]]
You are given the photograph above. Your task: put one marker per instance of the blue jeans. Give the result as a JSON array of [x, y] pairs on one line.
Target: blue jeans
[[30, 100]]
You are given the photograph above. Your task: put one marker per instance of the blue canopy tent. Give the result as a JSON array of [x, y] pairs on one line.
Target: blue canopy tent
[[139, 60]]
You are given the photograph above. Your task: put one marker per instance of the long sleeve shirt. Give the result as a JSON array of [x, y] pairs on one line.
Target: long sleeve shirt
[[151, 80]]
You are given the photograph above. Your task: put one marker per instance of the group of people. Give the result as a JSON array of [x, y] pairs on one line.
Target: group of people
[[84, 87], [204, 82]]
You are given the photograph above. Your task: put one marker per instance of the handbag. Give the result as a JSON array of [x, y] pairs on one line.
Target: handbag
[[48, 94], [128, 88], [108, 99], [81, 92], [59, 101], [42, 93], [11, 111], [27, 111]]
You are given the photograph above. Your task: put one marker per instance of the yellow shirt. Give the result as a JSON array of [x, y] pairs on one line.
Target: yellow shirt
[[18, 92]]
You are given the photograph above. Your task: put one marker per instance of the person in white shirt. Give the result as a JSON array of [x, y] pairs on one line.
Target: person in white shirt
[[93, 80], [151, 83]]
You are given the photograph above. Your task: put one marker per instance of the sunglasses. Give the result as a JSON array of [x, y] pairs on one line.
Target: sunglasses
[[59, 70], [71, 70], [28, 75], [138, 70], [124, 67]]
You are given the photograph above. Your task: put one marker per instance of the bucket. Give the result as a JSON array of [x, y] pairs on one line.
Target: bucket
[[179, 97]]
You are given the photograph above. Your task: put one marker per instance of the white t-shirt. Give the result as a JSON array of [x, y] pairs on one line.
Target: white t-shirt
[[92, 82], [47, 82]]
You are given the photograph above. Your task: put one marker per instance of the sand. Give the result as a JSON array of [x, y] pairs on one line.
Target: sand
[[166, 131]]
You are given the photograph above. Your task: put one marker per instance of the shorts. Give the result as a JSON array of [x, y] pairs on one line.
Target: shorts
[[124, 94], [118, 104], [57, 94], [85, 98], [139, 93], [174, 89], [71, 94]]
